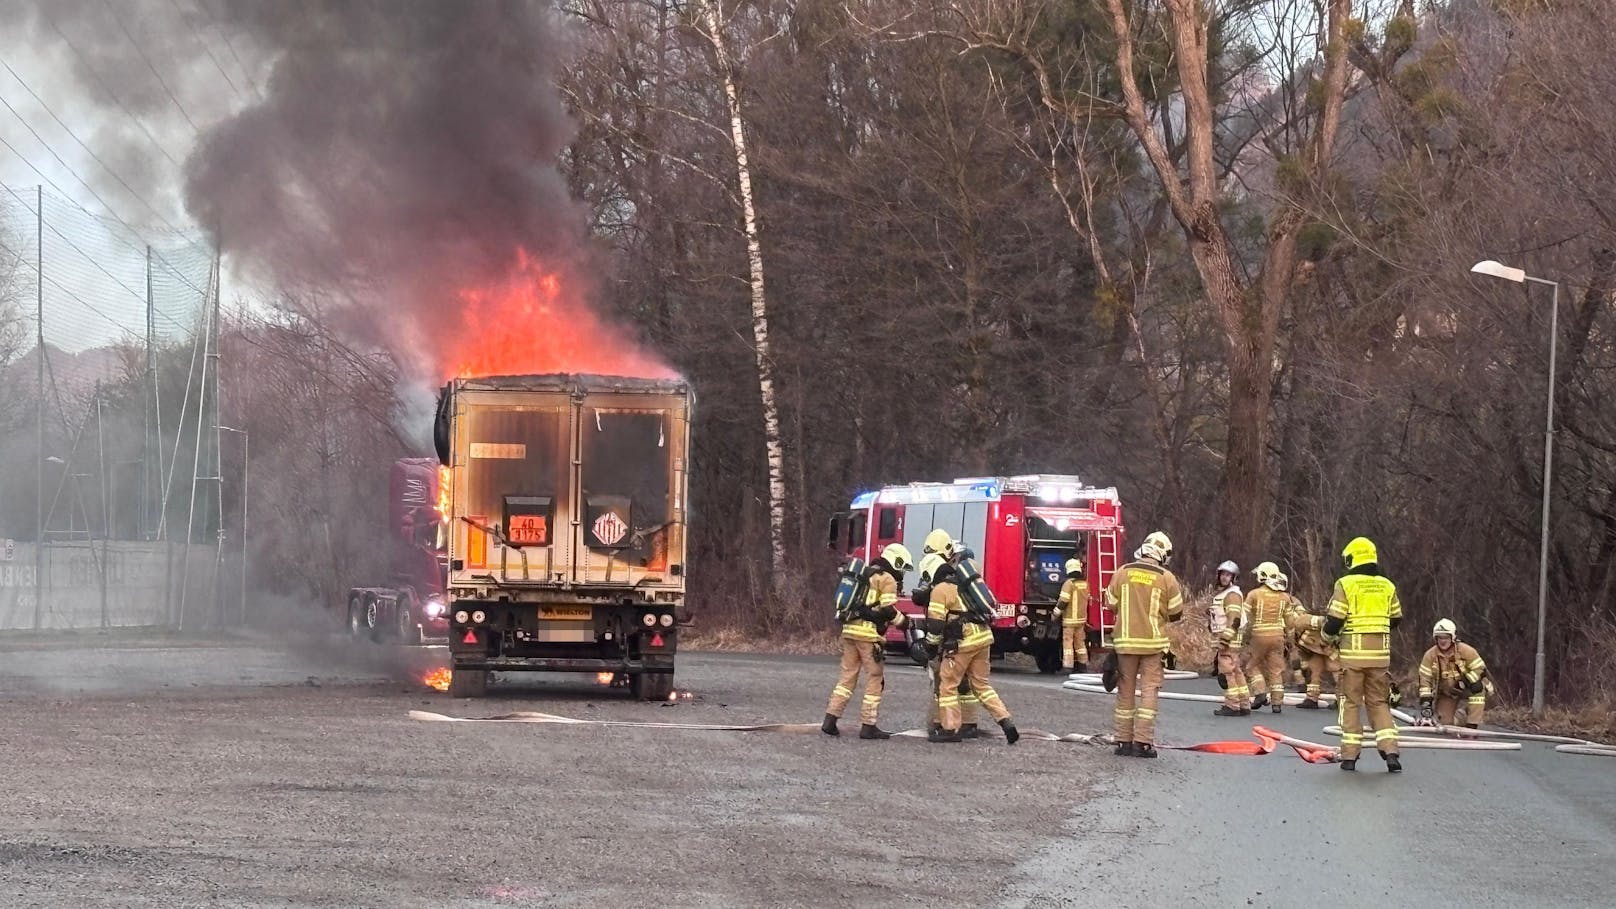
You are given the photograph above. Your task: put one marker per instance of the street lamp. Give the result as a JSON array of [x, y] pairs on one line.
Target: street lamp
[[246, 439], [1500, 270]]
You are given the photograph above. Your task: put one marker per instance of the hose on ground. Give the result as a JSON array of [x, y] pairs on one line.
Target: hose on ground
[[1440, 744], [1292, 699]]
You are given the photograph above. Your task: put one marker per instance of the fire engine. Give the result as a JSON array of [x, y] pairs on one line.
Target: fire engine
[[410, 606], [1021, 531]]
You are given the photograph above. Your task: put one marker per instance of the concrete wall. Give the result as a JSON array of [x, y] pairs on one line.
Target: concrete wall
[[141, 588]]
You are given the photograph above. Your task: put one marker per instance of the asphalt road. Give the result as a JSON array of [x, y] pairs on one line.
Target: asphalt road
[[255, 775]]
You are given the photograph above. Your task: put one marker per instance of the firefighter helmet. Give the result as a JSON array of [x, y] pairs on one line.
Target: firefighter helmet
[[1156, 546], [1229, 567], [929, 565], [1074, 566], [1268, 575], [1445, 627], [897, 555], [1360, 552], [1282, 581], [941, 542]]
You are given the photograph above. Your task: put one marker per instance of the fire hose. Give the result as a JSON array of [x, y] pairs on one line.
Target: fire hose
[[1094, 687], [1564, 744], [1440, 744]]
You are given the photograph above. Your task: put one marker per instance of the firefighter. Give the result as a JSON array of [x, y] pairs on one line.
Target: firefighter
[[864, 643], [1074, 607], [941, 542], [1265, 616], [965, 647], [1318, 658], [1363, 611], [1145, 596], [1224, 619], [1450, 671]]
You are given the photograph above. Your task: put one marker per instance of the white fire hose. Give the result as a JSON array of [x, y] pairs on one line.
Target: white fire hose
[[1440, 744], [1083, 683]]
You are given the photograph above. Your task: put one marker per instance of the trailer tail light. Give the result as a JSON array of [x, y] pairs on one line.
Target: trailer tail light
[[471, 636], [656, 639]]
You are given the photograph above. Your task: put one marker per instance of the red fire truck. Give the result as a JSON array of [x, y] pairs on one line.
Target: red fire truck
[[1021, 530], [410, 607]]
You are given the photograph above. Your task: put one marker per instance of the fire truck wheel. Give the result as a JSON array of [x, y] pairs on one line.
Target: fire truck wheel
[[1048, 660], [652, 686], [356, 616], [468, 683]]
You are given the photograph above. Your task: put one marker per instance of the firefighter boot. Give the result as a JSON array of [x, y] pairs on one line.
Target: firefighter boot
[[1144, 750], [1310, 704], [1394, 764], [934, 733], [1349, 765], [872, 731], [1010, 733], [946, 735], [829, 726], [1123, 749], [969, 731], [1081, 667], [1259, 702], [1276, 707], [1230, 711]]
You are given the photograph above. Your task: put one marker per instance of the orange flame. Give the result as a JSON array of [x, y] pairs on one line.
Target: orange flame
[[529, 323], [438, 678], [445, 477]]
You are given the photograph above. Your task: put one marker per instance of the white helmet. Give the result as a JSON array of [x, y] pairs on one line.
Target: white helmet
[[1268, 575], [1229, 567], [897, 555], [1445, 627], [1074, 566], [1156, 546], [1281, 581]]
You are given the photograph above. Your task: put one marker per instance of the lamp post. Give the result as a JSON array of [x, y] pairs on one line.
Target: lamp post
[[1500, 270], [246, 439]]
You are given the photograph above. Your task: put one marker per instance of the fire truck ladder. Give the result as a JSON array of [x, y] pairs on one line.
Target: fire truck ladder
[[1107, 565]]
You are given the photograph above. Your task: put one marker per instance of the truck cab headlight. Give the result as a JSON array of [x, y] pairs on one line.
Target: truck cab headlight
[[462, 617], [648, 620], [667, 620], [479, 617]]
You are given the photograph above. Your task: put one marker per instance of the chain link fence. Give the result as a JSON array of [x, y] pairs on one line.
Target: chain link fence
[[113, 493]]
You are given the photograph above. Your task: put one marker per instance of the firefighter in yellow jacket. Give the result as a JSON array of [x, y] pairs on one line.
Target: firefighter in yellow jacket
[[864, 644], [1144, 596], [1452, 671], [1074, 607], [1224, 620], [1318, 658], [965, 646], [941, 542], [1265, 617], [1363, 611]]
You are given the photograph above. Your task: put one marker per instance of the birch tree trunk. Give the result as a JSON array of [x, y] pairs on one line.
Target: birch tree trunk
[[760, 313]]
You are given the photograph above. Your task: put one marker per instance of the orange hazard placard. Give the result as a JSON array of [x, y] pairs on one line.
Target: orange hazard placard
[[529, 530]]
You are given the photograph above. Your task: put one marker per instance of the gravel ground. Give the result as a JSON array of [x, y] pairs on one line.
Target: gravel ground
[[239, 774]]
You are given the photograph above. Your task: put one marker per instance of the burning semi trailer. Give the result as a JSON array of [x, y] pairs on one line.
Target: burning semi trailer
[[565, 526]]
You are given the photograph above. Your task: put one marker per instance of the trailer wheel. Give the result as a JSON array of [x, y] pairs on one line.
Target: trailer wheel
[[1048, 660], [468, 683], [652, 686]]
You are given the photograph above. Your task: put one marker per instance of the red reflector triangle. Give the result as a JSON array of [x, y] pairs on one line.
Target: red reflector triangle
[[470, 638], [656, 639]]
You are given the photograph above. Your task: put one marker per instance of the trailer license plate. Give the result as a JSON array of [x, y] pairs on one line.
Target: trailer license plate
[[566, 613]]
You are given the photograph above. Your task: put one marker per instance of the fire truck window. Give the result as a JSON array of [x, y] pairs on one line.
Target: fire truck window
[[836, 532], [626, 455], [888, 528], [855, 530]]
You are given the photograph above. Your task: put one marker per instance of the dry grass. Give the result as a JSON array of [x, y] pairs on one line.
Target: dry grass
[[1594, 720], [733, 639], [1193, 647]]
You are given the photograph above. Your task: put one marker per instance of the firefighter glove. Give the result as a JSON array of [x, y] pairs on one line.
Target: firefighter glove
[[1108, 677], [1223, 681]]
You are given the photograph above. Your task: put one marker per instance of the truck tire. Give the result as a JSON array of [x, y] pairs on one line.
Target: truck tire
[[468, 683], [1048, 660], [404, 625], [354, 619], [652, 686]]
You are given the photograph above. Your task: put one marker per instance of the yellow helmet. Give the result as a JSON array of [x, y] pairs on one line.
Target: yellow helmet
[[897, 555], [1074, 566], [1156, 546], [1445, 627], [929, 565], [940, 541], [1360, 552], [1268, 575]]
